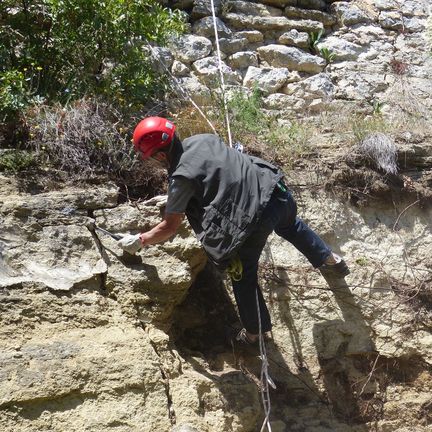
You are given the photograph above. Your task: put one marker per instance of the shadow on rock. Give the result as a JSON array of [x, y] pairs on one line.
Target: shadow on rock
[[340, 344]]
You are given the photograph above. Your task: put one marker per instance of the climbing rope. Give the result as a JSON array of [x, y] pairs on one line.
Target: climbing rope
[[265, 377], [222, 81]]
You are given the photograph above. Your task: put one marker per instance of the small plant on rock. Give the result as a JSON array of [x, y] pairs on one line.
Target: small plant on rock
[[314, 39], [327, 55]]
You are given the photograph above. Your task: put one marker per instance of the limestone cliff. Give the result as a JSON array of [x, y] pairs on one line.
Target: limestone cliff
[[93, 339]]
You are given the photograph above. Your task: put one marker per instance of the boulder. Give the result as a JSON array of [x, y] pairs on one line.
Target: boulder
[[386, 4], [295, 38], [202, 8], [208, 71], [349, 14], [196, 90], [391, 20], [252, 36], [189, 48], [164, 59], [342, 49], [298, 13], [316, 92], [243, 59], [233, 45], [251, 9], [415, 24], [205, 27], [267, 80], [291, 58], [268, 24], [283, 103], [179, 69], [415, 8]]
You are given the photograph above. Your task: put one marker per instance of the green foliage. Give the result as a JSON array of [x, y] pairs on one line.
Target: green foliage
[[246, 112], [314, 39], [377, 107], [13, 93], [61, 50], [260, 132], [13, 161], [362, 261], [327, 55]]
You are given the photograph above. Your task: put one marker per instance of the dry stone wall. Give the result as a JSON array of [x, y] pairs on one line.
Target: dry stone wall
[[370, 45]]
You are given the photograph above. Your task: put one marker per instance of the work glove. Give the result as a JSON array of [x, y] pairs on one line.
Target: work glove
[[131, 243]]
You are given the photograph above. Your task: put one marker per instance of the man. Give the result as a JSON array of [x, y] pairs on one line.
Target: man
[[233, 202]]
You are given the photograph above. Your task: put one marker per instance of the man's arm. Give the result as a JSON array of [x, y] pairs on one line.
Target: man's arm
[[164, 230]]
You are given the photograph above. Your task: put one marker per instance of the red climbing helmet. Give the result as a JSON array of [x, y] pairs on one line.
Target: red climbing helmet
[[152, 134]]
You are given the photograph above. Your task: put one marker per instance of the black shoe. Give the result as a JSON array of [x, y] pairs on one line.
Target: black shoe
[[338, 270]]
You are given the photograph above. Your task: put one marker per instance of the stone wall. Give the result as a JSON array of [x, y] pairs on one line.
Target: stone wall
[[366, 48]]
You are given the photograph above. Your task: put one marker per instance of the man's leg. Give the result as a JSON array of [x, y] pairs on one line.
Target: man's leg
[[246, 289], [293, 229]]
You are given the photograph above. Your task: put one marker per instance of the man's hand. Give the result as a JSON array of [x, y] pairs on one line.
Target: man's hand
[[131, 243]]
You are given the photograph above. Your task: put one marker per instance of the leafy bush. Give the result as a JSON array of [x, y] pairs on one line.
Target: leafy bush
[[64, 49], [14, 161], [327, 55], [246, 112], [313, 40]]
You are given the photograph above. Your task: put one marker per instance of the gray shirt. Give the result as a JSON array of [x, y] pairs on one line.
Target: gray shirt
[[180, 191]]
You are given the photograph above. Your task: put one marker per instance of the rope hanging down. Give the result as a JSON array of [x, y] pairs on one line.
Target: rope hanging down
[[222, 81], [265, 377]]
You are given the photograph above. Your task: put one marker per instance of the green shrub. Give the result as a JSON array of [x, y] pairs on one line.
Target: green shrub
[[314, 39], [289, 142], [62, 50], [363, 126], [246, 113], [327, 55], [14, 161]]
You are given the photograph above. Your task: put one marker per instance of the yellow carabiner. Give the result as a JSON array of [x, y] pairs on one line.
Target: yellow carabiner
[[235, 269]]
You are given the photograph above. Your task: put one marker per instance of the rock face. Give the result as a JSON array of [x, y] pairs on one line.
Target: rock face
[[94, 339]]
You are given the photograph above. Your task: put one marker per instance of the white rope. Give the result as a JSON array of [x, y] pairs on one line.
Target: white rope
[[227, 122], [265, 377], [179, 87]]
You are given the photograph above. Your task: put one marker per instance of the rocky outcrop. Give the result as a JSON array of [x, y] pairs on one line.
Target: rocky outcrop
[[95, 339]]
